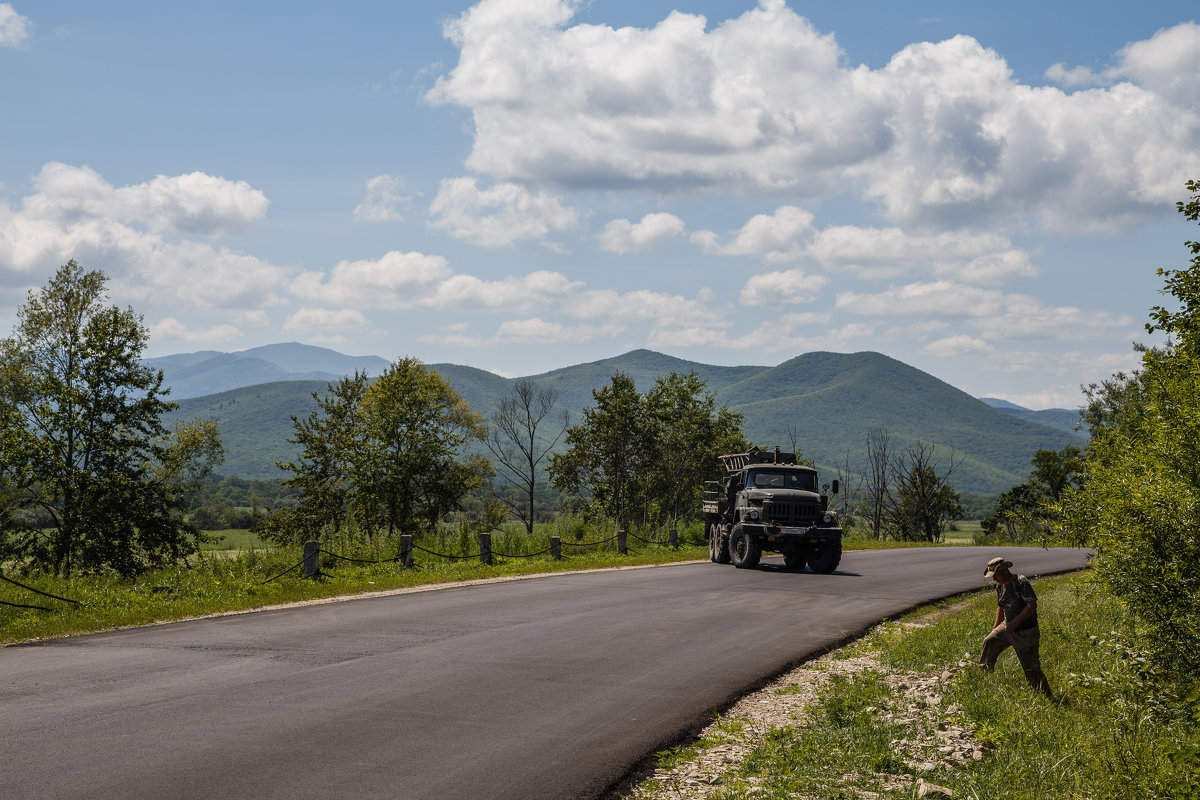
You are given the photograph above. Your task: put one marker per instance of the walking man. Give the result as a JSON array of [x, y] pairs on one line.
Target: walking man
[[1016, 624]]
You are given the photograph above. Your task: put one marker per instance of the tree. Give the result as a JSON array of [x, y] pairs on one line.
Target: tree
[[687, 431], [878, 479], [514, 441], [82, 446], [646, 457], [321, 472], [607, 451], [385, 454], [406, 470], [924, 501], [1027, 510], [1139, 503]]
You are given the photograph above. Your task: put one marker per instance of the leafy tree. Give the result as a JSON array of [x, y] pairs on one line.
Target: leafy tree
[[1027, 511], [321, 473], [406, 471], [384, 454], [82, 447], [687, 431], [607, 452], [645, 457], [1140, 499], [514, 441]]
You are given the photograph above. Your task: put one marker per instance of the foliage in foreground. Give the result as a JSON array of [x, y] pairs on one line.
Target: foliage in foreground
[[1140, 499], [90, 478]]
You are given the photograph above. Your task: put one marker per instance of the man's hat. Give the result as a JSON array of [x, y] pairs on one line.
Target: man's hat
[[995, 565]]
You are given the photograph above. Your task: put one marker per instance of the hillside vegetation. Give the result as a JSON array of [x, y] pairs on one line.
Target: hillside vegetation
[[829, 400]]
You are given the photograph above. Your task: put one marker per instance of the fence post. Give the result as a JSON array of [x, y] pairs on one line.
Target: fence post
[[312, 558], [406, 549], [622, 546], [556, 547], [485, 547], [674, 539]]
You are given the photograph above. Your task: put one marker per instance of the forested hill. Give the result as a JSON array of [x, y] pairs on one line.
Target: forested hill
[[829, 400]]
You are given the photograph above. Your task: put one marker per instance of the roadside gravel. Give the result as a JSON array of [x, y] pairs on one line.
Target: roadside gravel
[[936, 734]]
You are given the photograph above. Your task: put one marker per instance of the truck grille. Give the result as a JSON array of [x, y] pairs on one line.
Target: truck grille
[[791, 513]]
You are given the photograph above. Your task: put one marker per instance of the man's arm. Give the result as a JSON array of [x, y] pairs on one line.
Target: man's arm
[[999, 617], [1028, 611]]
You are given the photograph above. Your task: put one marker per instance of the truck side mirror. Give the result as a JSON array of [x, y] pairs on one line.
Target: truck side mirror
[[835, 487]]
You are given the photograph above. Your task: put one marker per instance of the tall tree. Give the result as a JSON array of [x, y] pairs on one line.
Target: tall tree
[[687, 431], [82, 444], [407, 471], [924, 500], [517, 445], [607, 450], [385, 454], [1140, 500], [878, 479], [645, 458], [321, 472]]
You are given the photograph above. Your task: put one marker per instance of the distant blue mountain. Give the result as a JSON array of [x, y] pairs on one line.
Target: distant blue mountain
[[209, 372], [1062, 418]]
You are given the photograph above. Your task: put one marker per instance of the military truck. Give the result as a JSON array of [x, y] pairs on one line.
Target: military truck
[[768, 502]]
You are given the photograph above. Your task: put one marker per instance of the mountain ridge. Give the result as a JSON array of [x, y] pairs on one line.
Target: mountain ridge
[[822, 403]]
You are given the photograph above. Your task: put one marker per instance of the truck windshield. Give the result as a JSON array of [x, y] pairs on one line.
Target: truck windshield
[[782, 479]]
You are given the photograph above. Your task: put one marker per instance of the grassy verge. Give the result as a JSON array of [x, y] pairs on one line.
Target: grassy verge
[[216, 582], [920, 720]]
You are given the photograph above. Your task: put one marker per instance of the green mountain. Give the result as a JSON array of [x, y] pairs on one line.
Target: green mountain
[[826, 401]]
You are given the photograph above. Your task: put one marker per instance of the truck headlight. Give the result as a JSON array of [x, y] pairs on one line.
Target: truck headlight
[[752, 514], [829, 518]]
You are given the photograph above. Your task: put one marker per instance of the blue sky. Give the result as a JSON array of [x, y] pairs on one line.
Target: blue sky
[[981, 190]]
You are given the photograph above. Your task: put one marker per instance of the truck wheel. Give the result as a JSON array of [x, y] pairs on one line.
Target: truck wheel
[[720, 544], [714, 535], [793, 558], [744, 550], [825, 557]]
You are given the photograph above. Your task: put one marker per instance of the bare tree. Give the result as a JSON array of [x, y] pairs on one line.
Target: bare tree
[[878, 479], [852, 486], [923, 499], [514, 442]]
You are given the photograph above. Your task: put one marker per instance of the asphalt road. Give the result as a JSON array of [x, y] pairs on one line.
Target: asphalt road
[[552, 687]]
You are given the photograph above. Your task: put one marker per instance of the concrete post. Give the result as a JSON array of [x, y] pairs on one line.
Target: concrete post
[[556, 547], [485, 547], [674, 539], [622, 546], [406, 549], [312, 558]]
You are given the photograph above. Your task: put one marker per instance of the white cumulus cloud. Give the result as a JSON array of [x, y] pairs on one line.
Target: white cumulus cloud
[[500, 216], [623, 236], [384, 202], [14, 28], [942, 136], [781, 236], [138, 235], [776, 288]]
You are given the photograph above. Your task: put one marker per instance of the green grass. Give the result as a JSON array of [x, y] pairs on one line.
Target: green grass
[[233, 539], [1108, 734], [217, 582]]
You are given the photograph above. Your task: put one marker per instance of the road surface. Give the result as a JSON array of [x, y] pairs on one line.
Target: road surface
[[552, 687]]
